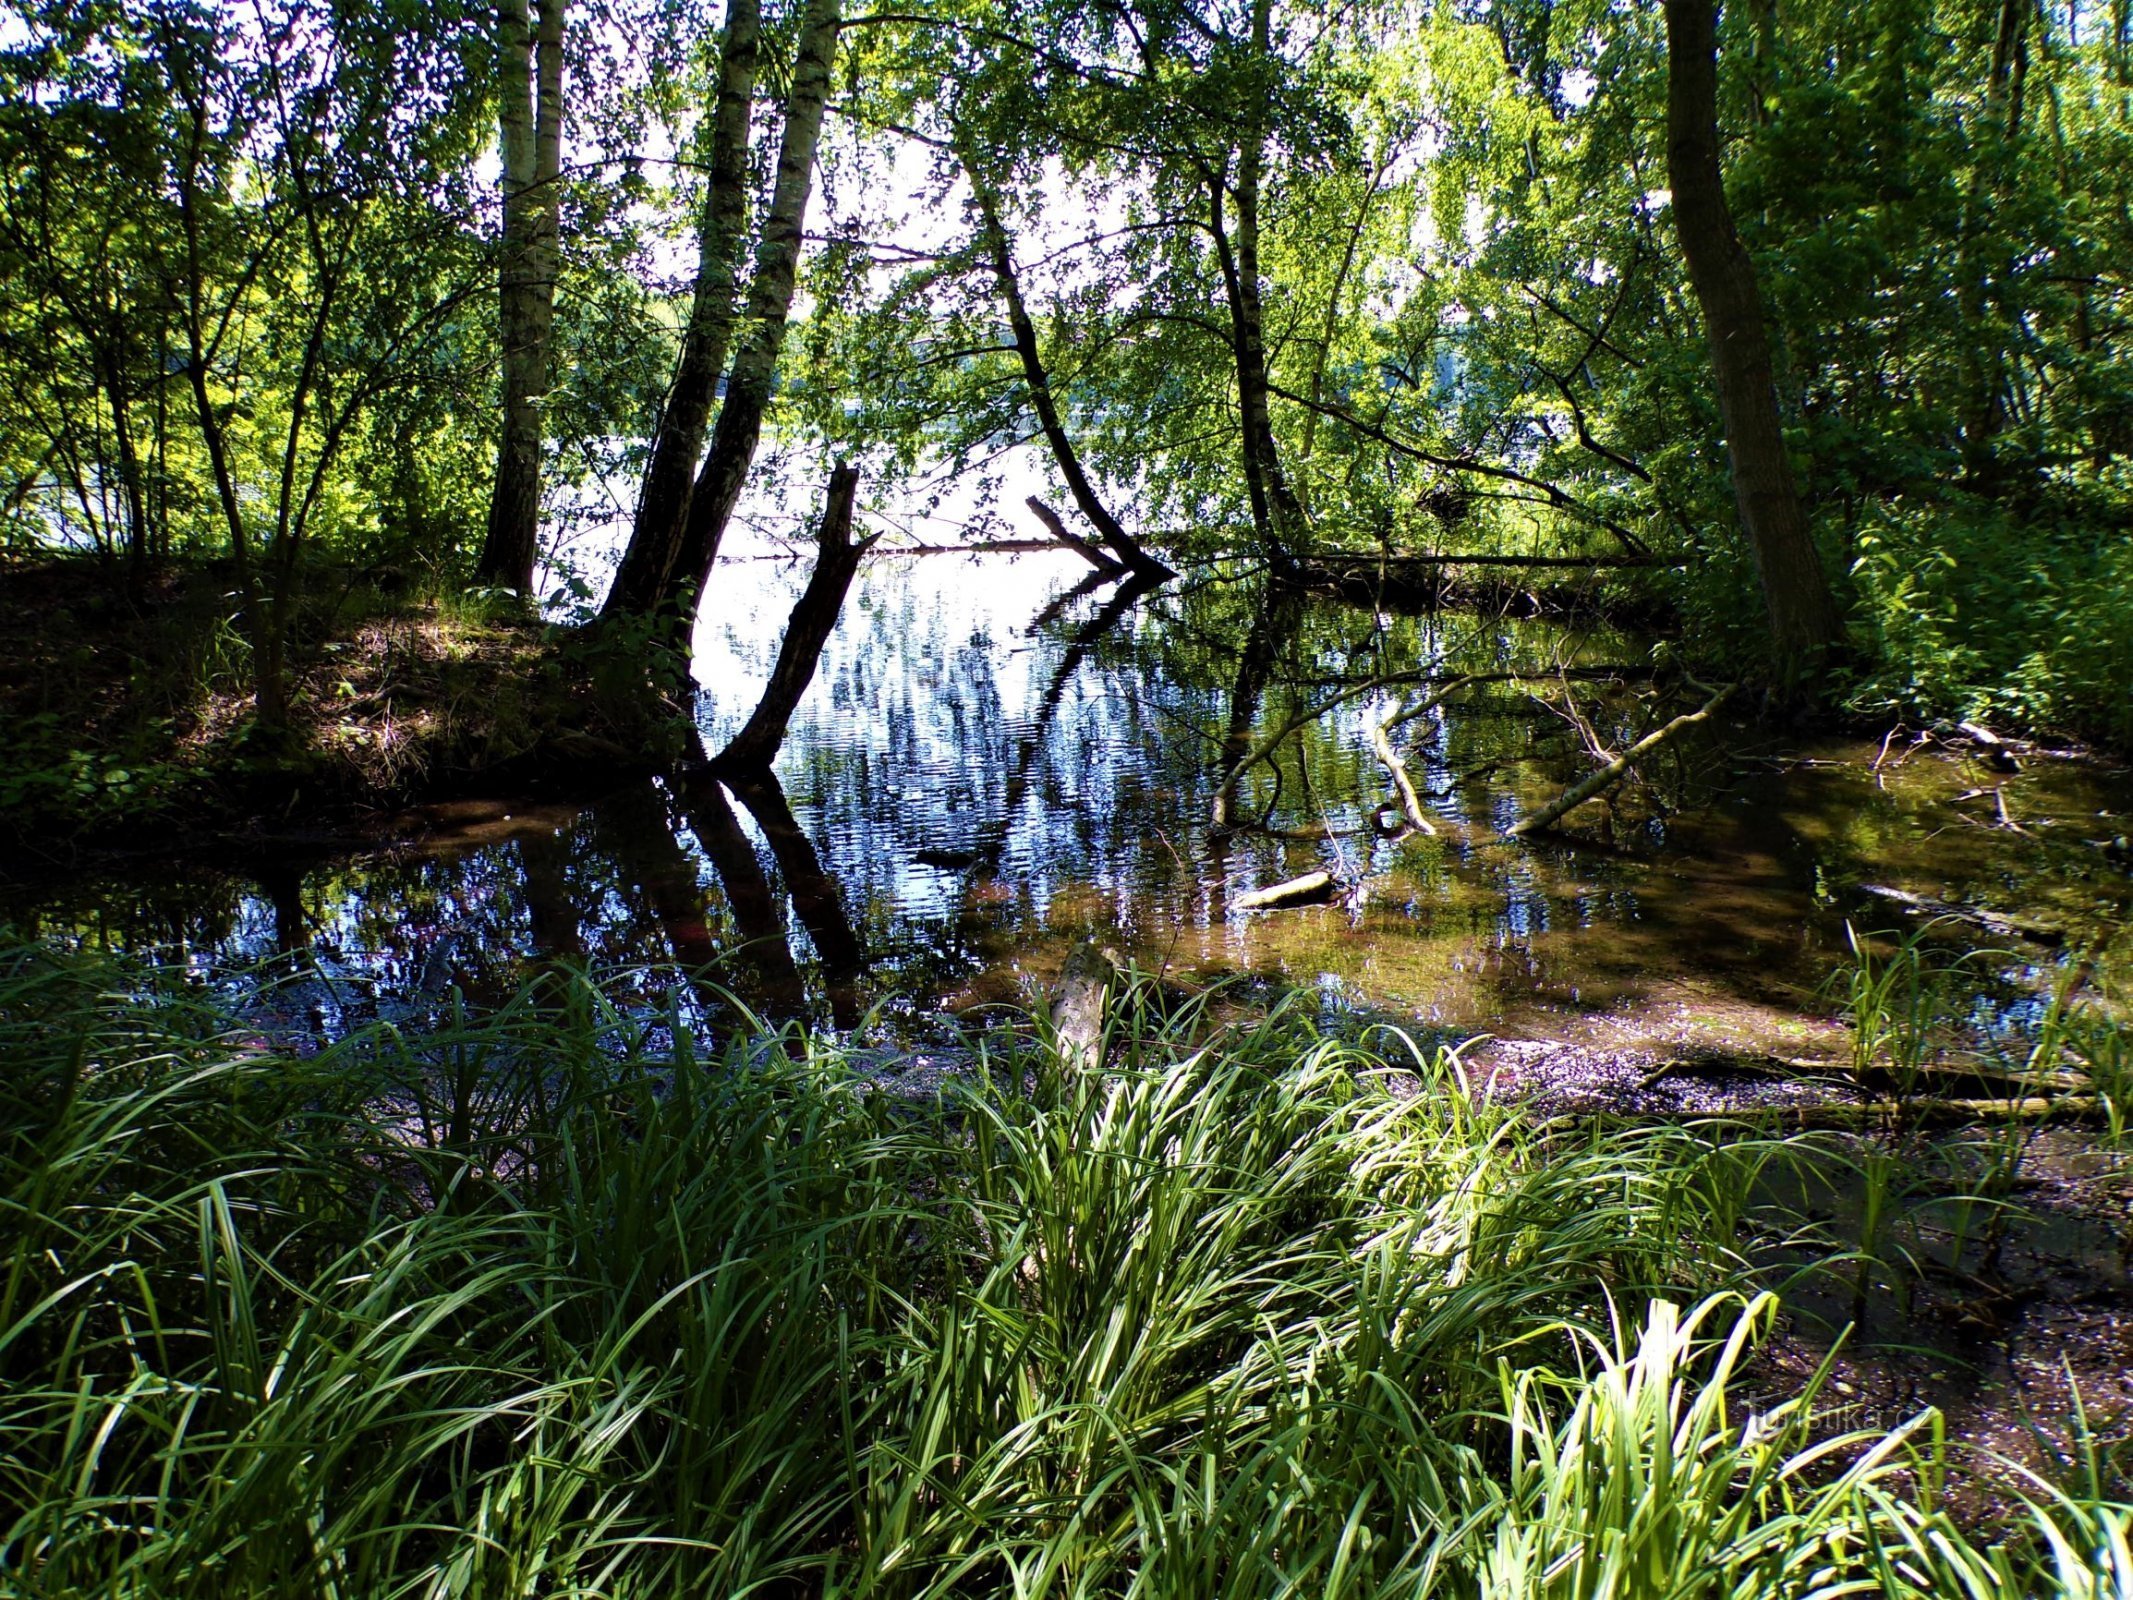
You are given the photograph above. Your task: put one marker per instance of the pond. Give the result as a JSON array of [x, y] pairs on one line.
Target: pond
[[997, 758]]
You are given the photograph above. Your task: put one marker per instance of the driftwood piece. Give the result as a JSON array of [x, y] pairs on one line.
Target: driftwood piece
[[1607, 777], [1086, 985], [814, 617], [1054, 524], [1309, 889]]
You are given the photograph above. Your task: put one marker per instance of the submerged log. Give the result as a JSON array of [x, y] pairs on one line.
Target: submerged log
[[1607, 777], [1309, 889], [814, 617], [1990, 921]]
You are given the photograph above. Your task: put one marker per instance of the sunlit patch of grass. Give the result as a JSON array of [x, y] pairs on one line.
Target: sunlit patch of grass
[[552, 1301]]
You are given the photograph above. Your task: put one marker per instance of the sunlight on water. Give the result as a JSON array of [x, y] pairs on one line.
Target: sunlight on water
[[989, 765]]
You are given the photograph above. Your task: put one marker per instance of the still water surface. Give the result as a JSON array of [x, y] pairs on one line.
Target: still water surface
[[990, 764]]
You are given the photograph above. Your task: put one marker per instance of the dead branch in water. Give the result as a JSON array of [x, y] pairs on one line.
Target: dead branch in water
[[1056, 526], [1381, 742], [814, 616], [1607, 777]]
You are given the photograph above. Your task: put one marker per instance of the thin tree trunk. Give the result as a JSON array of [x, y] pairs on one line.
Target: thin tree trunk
[[755, 364], [1804, 625], [1983, 254], [1274, 504], [137, 531], [269, 694], [531, 120], [678, 446], [814, 616], [1124, 547]]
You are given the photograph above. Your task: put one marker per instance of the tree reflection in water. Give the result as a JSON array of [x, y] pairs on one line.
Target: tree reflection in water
[[990, 763]]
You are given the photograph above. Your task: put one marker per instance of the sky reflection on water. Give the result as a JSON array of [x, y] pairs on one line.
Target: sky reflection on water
[[980, 775]]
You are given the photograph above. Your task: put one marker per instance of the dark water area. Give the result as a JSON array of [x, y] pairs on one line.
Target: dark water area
[[991, 764]]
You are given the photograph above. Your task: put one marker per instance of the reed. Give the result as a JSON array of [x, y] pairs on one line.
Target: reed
[[560, 1301]]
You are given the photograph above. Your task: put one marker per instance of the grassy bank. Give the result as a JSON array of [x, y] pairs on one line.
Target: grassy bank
[[128, 705], [551, 1302]]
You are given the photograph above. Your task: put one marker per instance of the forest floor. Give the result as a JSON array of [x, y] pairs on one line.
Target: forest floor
[[127, 711]]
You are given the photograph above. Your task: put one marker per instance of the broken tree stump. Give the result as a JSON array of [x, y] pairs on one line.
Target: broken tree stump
[[1086, 984], [814, 617]]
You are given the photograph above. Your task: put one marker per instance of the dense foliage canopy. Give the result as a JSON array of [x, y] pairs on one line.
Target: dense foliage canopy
[[1261, 278]]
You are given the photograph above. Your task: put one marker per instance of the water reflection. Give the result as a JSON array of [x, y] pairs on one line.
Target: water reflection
[[997, 756]]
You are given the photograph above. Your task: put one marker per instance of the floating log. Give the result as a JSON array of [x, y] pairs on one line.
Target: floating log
[[1608, 776], [1309, 889]]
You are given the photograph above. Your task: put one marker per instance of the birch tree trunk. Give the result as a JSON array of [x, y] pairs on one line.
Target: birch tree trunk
[[755, 363], [1804, 625], [677, 447], [531, 119]]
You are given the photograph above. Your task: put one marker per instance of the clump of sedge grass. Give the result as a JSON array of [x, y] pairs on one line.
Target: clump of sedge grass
[[545, 1303]]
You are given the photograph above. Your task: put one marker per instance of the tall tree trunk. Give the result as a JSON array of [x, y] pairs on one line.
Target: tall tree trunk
[[813, 618], [670, 475], [1984, 251], [1804, 624], [1122, 544], [531, 119], [777, 261], [1277, 515]]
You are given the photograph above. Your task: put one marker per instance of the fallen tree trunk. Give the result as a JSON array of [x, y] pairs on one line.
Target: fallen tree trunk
[[1990, 921], [1056, 526], [814, 616], [1338, 558], [1607, 777], [1850, 1116]]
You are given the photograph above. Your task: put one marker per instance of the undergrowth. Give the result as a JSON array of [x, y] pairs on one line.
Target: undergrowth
[[560, 1301]]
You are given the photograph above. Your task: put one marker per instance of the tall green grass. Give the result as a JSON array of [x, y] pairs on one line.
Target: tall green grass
[[547, 1302]]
